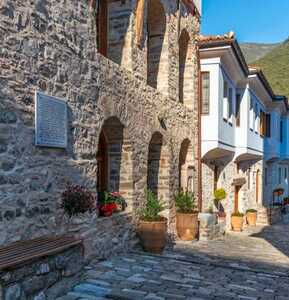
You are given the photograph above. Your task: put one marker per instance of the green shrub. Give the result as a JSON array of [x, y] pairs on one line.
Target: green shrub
[[185, 202], [237, 214], [153, 207], [220, 194], [251, 210]]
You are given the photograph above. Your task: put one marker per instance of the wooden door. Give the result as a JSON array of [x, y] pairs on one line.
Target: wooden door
[[236, 198]]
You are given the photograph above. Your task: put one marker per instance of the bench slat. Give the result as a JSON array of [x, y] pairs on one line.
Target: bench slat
[[34, 248], [23, 252], [23, 247]]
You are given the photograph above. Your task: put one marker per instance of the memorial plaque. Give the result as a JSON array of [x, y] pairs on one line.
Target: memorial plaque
[[50, 121]]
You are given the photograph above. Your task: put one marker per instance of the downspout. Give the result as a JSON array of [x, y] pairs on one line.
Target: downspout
[[199, 147]]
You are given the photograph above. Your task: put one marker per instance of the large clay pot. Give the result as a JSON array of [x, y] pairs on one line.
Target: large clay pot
[[237, 223], [153, 235], [187, 226], [251, 218]]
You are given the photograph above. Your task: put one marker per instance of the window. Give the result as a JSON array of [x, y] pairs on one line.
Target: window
[[238, 107], [225, 101], [268, 125], [256, 123], [281, 131], [230, 103], [205, 79], [251, 113], [285, 173], [262, 123], [266, 176], [280, 176]]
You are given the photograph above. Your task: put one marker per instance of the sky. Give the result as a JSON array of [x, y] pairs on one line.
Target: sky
[[261, 21]]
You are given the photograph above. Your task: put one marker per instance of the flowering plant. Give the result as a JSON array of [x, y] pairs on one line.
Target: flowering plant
[[77, 200], [109, 202]]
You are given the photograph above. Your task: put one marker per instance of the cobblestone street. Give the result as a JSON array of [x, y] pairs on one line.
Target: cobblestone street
[[250, 265]]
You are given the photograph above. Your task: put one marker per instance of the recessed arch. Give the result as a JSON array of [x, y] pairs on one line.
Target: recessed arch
[[186, 167], [157, 48], [158, 167], [114, 159]]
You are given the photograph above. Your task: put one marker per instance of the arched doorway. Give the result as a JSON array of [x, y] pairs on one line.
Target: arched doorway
[[158, 167], [115, 159], [157, 57], [186, 167]]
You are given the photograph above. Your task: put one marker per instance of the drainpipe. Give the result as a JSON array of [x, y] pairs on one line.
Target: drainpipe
[[199, 154]]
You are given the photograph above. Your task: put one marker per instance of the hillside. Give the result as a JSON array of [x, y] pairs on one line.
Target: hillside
[[255, 51], [275, 66]]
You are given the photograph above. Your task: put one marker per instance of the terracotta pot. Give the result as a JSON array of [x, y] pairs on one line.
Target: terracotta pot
[[251, 218], [237, 223], [153, 235], [187, 226]]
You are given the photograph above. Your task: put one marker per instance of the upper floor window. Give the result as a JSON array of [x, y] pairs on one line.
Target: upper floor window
[[205, 81], [251, 114], [238, 110], [102, 27], [230, 104], [262, 123], [256, 123], [281, 131], [225, 101], [285, 173], [268, 125]]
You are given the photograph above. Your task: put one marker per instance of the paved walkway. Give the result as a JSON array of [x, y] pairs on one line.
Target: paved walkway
[[247, 266]]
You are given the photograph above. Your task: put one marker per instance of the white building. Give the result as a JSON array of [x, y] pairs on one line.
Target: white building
[[245, 143]]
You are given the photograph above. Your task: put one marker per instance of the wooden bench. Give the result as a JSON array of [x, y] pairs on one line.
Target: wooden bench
[[23, 252]]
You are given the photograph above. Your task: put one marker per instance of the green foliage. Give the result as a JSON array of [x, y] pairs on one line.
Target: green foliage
[[237, 214], [153, 207], [275, 66], [220, 194], [77, 200], [185, 202], [251, 211]]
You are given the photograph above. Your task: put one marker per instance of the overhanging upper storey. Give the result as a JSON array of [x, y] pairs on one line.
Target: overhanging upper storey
[[228, 50]]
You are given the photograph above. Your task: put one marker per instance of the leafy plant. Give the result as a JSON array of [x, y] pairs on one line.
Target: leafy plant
[[220, 194], [152, 208], [77, 200], [251, 210], [237, 214], [185, 202]]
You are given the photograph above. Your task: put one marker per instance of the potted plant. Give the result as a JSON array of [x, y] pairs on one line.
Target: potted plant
[[186, 216], [76, 200], [152, 227], [237, 220], [219, 195], [118, 200], [106, 204], [251, 216]]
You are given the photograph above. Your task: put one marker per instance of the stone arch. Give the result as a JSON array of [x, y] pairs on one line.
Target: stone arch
[[158, 167], [157, 57], [113, 22], [115, 159], [186, 73], [186, 167]]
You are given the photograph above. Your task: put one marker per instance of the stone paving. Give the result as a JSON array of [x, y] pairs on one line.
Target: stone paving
[[248, 266]]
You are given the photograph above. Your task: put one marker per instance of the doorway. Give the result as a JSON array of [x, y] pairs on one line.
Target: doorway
[[236, 198]]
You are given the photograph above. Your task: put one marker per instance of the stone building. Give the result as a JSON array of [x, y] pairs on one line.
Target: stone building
[[129, 72]]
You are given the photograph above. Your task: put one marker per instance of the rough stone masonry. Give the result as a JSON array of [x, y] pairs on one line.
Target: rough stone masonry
[[51, 46]]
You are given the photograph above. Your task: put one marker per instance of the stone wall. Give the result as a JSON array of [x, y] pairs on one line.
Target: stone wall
[[227, 172], [43, 279], [51, 46]]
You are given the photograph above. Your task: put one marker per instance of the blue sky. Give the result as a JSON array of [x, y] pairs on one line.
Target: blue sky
[[263, 21]]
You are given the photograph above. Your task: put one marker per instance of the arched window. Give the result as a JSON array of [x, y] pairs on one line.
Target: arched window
[[157, 60]]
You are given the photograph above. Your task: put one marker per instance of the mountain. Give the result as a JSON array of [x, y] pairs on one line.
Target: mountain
[[275, 66], [255, 51]]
